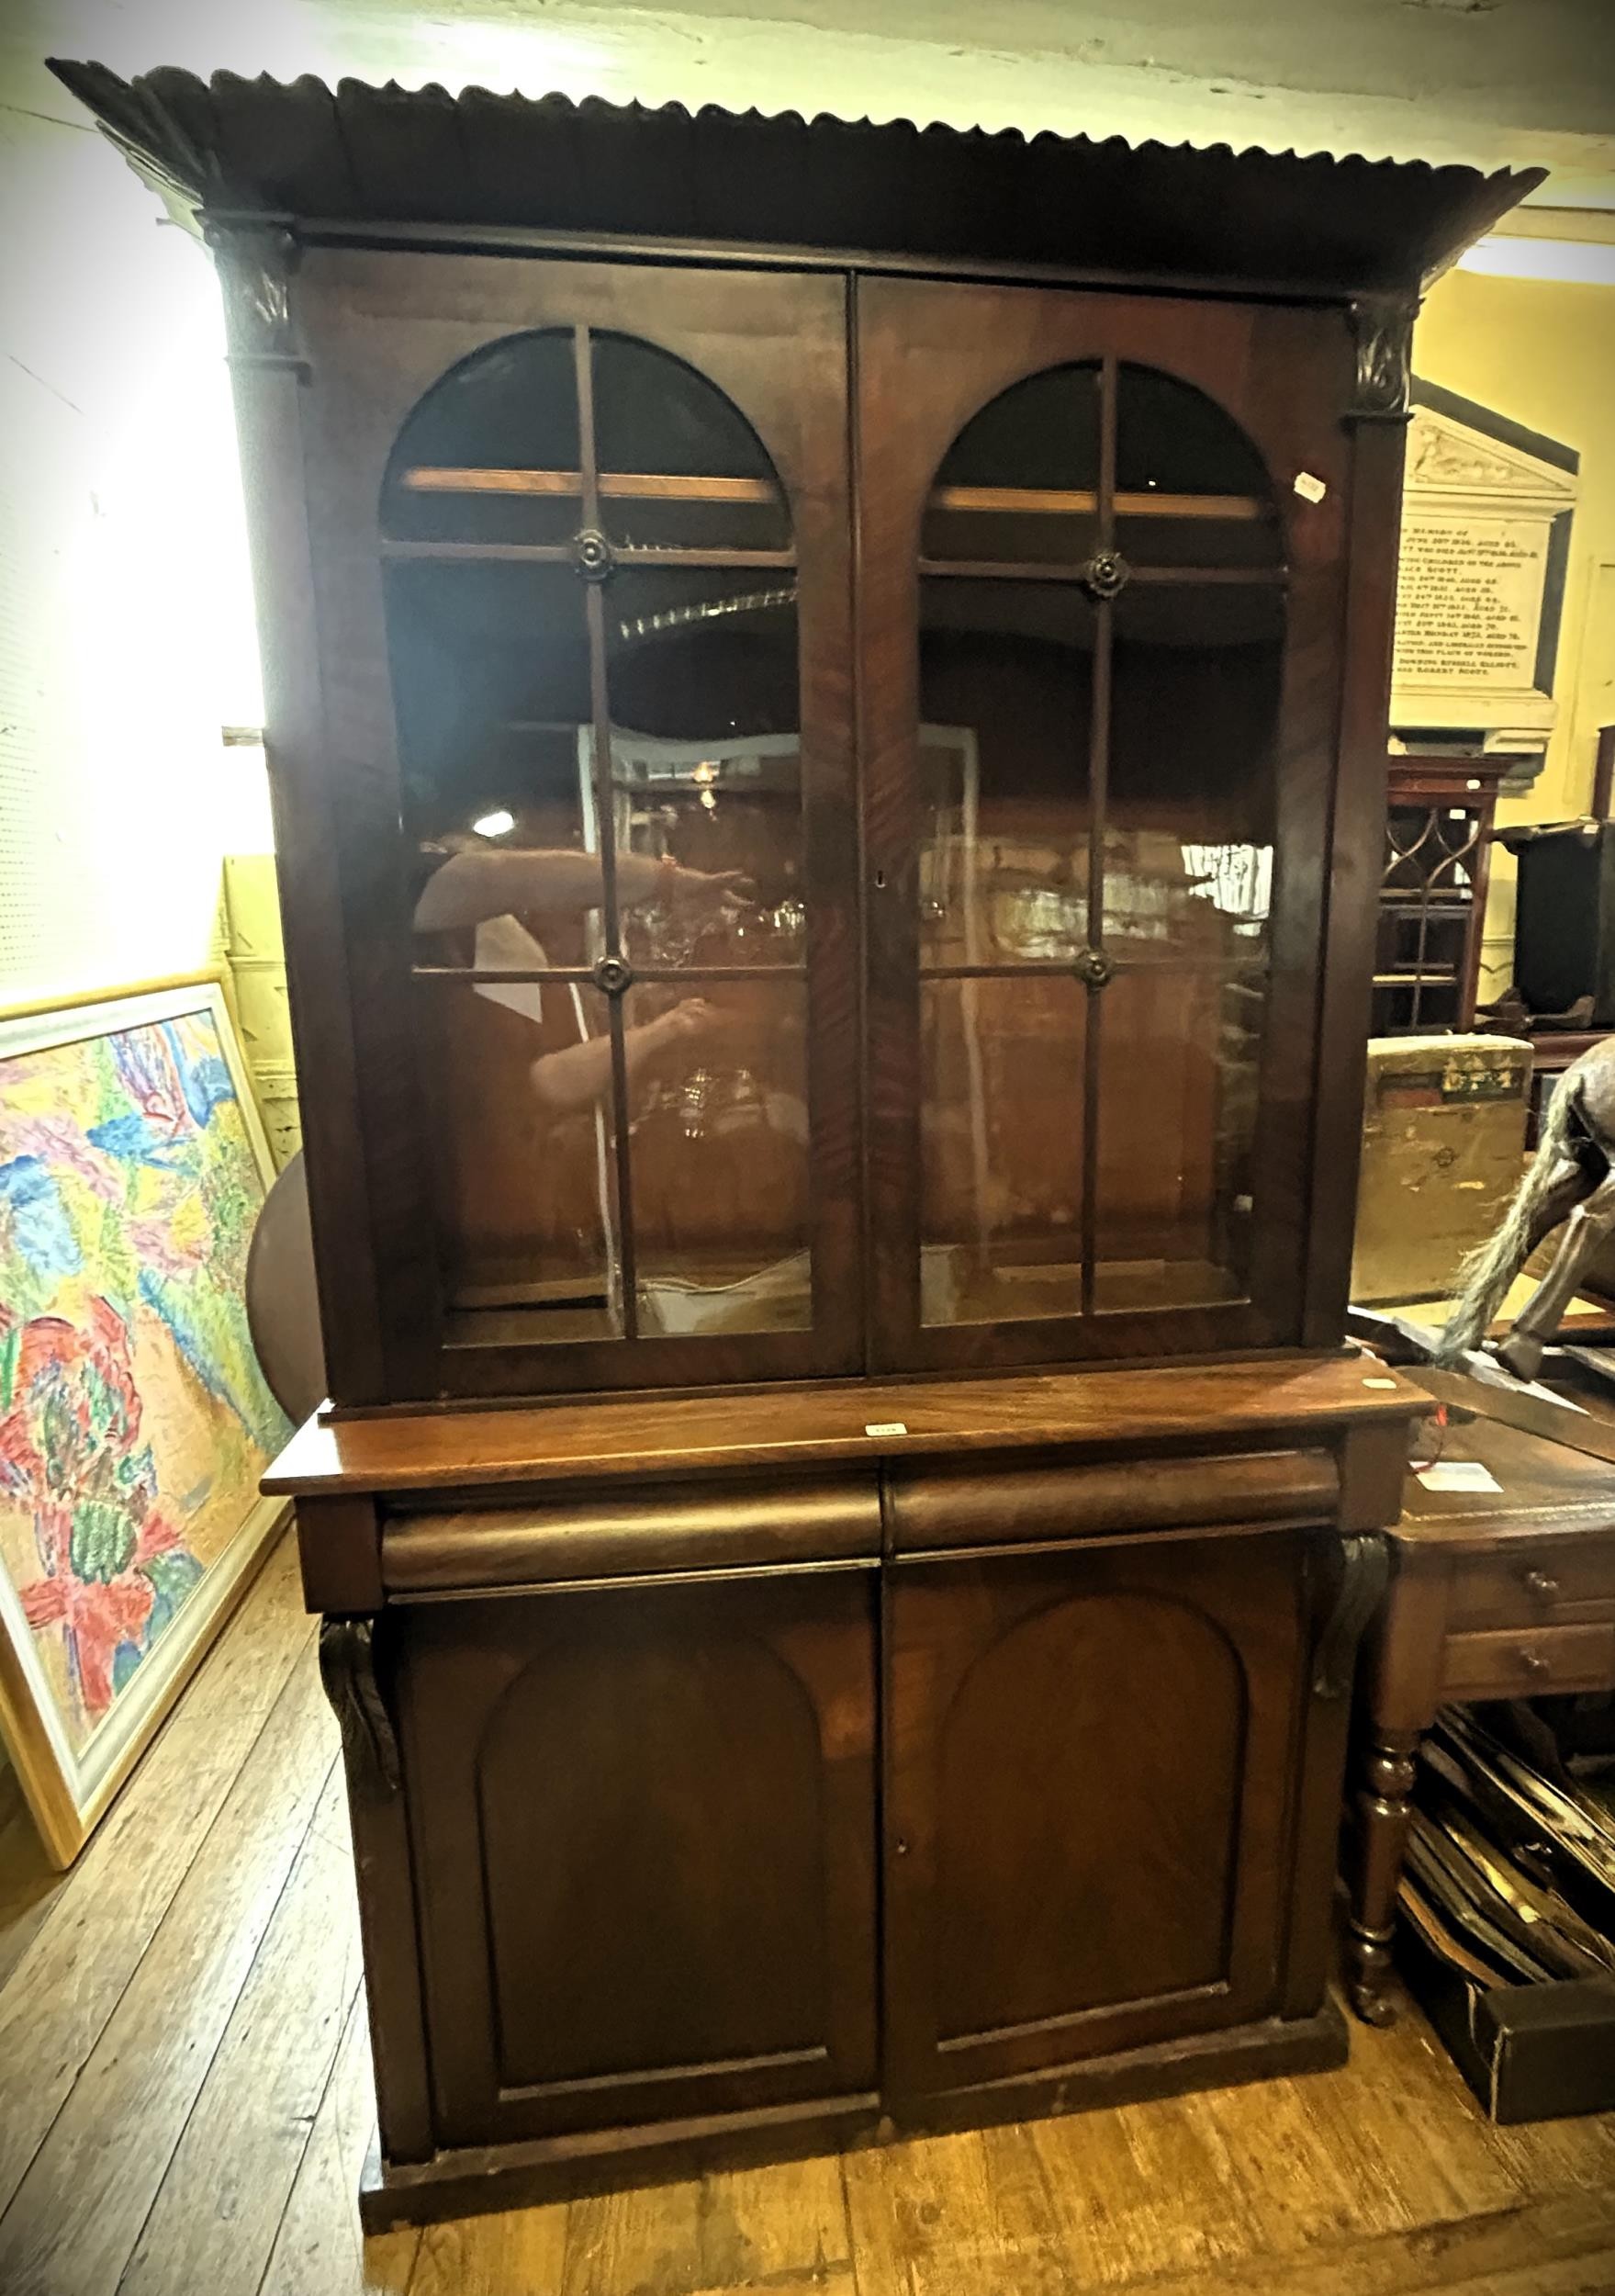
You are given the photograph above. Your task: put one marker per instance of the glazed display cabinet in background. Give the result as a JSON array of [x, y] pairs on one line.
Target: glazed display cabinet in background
[[830, 812]]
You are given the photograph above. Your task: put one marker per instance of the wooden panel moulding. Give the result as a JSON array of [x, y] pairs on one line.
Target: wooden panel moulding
[[967, 1507], [716, 1526]]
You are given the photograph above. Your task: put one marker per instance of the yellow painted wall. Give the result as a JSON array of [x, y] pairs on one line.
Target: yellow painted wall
[[1543, 353]]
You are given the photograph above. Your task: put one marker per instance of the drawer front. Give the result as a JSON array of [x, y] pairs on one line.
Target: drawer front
[[1525, 1662], [1536, 1582]]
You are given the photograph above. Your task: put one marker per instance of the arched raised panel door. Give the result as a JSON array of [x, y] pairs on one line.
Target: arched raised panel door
[[644, 1831], [582, 563], [1098, 737], [1088, 1802]]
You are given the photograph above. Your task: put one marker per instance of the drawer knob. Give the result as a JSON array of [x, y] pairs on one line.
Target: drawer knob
[[1534, 1663], [1539, 1583]]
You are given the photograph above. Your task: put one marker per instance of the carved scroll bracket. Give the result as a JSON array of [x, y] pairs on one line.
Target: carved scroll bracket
[[347, 1670], [1383, 328], [1365, 1573], [255, 256]]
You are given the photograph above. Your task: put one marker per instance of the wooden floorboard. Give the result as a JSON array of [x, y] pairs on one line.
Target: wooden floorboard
[[186, 2104]]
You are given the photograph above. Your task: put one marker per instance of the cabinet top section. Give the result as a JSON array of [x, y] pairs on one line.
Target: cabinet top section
[[1216, 1406], [421, 167]]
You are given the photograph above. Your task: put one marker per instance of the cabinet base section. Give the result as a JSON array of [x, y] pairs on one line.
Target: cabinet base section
[[525, 2174], [463, 2182]]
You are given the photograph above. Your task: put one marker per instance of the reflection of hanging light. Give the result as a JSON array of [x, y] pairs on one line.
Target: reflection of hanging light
[[497, 824], [709, 798]]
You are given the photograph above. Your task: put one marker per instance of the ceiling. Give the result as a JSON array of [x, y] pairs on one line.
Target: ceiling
[[1489, 81]]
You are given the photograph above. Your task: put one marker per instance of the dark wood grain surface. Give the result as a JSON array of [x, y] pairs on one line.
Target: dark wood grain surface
[[1215, 1404]]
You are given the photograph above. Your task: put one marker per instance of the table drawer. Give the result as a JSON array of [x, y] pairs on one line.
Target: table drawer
[[1532, 1582], [1528, 1662]]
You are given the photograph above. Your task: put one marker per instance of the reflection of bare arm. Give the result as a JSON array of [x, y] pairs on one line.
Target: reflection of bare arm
[[581, 1075], [481, 881], [484, 881]]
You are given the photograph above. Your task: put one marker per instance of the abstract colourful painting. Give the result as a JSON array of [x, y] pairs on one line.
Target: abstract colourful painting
[[134, 1420]]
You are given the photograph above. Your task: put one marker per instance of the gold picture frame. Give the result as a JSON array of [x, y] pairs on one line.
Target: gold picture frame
[[134, 1421]]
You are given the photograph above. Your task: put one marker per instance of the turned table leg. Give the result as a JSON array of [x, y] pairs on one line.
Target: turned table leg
[[1384, 1784]]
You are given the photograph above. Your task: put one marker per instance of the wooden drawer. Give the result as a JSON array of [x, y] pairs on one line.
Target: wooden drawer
[[1526, 1662], [1532, 1582]]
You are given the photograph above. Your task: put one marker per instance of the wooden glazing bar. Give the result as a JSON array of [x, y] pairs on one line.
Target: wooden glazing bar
[[1057, 968], [1065, 570], [613, 485], [560, 554], [605, 829], [1098, 807], [583, 976]]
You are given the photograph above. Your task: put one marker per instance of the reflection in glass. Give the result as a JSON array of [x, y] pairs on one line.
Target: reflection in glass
[[704, 689], [491, 452], [1196, 683], [1191, 487], [1018, 482], [1179, 1065], [517, 1089], [490, 681], [1006, 686], [681, 468], [718, 1096], [1001, 1180]]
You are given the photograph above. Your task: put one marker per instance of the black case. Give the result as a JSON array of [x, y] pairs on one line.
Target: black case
[[1565, 916]]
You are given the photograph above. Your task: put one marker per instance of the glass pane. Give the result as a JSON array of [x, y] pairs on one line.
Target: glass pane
[[491, 452], [1001, 1148], [1191, 487], [705, 700], [517, 1084], [1006, 674], [1018, 482], [1196, 686], [718, 1091], [1178, 1059], [490, 679], [680, 466]]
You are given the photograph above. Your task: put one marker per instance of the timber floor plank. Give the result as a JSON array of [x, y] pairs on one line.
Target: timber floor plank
[[185, 2105], [216, 2217], [320, 2248], [80, 2206], [57, 2000]]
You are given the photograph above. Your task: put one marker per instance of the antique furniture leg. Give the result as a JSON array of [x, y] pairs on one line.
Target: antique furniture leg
[[1537, 1321], [1400, 1690], [1386, 1781]]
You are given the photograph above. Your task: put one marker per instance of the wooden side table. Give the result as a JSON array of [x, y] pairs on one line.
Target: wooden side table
[[1494, 1595]]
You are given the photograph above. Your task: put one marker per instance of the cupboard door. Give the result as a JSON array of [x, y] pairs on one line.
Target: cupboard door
[[1102, 547], [1089, 1792], [581, 561], [644, 1830]]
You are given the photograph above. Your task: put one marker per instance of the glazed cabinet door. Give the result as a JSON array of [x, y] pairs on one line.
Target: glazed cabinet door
[[1089, 1789], [575, 837], [642, 1822], [1102, 573]]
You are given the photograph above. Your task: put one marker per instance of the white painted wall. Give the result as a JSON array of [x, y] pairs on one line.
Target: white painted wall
[[125, 627], [1484, 81]]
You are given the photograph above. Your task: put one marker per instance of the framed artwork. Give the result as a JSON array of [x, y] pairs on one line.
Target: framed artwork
[[134, 1420]]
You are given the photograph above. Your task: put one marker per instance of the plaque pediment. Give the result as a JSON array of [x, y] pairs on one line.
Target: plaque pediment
[[1447, 457], [1485, 533]]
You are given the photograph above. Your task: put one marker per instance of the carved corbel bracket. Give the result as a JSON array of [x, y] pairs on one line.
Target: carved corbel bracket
[[347, 1670], [1383, 325], [1365, 1572], [255, 256]]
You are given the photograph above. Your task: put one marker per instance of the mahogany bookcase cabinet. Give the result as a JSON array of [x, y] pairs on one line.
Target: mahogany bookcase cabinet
[[829, 808]]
